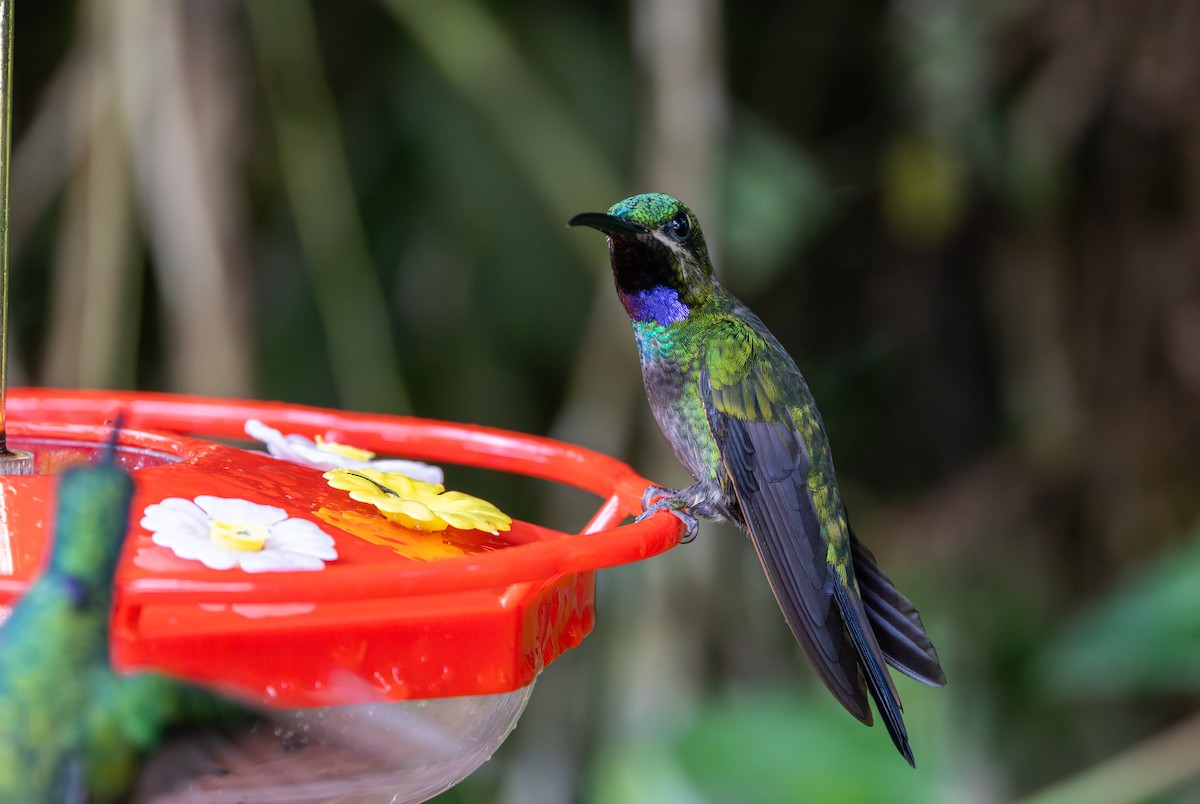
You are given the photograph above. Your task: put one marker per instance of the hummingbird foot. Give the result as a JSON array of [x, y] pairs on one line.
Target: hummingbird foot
[[653, 494], [656, 499]]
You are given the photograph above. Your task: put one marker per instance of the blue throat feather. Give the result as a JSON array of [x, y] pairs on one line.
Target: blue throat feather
[[659, 304]]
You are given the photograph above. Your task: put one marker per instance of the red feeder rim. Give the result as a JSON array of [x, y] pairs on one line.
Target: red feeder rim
[[378, 623]]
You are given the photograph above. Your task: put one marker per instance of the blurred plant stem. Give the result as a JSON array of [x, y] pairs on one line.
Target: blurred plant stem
[[484, 65], [568, 173], [1151, 769], [49, 150], [648, 653], [349, 296], [6, 47], [175, 99], [683, 109], [95, 317]]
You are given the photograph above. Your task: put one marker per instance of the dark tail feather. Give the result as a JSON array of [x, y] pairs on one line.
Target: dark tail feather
[[879, 684], [895, 621]]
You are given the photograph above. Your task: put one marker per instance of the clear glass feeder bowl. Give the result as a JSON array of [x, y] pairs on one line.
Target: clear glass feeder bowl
[[389, 676], [392, 752]]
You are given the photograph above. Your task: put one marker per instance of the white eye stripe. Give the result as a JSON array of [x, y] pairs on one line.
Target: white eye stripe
[[676, 247], [687, 260]]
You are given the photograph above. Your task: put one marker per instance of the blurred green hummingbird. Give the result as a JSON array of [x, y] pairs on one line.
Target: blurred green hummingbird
[[742, 421], [70, 728]]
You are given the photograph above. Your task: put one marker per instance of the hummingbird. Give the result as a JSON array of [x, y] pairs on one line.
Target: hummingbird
[[741, 419], [71, 729]]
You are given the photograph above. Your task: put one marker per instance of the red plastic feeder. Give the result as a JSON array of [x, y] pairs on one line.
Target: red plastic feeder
[[419, 649]]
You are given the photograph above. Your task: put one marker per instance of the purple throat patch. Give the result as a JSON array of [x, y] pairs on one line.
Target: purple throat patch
[[659, 304]]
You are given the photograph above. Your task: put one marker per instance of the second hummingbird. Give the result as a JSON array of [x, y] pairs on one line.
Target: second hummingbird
[[742, 421]]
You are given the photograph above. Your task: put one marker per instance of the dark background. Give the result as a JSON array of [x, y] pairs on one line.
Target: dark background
[[974, 224]]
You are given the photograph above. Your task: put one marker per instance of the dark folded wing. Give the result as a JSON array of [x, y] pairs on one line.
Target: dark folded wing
[[767, 466]]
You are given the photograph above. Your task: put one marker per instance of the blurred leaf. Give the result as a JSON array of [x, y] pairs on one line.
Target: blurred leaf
[[776, 203], [650, 774], [924, 189], [477, 56], [1033, 180], [762, 748], [328, 224], [1143, 636]]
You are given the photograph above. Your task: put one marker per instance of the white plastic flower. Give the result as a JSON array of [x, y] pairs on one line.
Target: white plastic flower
[[326, 455], [223, 533]]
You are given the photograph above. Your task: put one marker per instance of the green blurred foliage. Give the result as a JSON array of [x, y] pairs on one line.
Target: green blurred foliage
[[1143, 637], [972, 222], [767, 747]]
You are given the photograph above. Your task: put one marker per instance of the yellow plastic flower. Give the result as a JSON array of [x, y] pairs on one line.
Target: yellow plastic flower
[[345, 450], [417, 545], [417, 504]]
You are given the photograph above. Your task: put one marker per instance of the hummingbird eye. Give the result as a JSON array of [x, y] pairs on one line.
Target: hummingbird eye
[[680, 226]]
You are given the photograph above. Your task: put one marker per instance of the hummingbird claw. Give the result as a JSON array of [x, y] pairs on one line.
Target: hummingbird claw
[[656, 499], [654, 493], [691, 525]]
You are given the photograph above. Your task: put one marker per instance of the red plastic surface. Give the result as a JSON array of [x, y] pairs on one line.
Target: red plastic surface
[[450, 613]]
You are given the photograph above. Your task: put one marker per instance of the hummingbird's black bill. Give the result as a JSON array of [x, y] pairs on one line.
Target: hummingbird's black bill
[[605, 223]]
